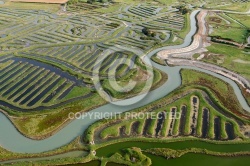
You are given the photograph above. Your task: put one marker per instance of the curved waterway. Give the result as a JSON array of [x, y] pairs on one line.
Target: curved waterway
[[12, 140]]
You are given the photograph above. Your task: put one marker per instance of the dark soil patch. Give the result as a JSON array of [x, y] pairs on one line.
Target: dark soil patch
[[215, 19], [147, 124], [195, 100], [122, 131], [182, 120], [217, 128], [172, 121], [161, 119], [205, 123], [230, 131], [134, 128]]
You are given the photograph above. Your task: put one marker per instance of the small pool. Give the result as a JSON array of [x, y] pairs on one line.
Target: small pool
[[3, 35]]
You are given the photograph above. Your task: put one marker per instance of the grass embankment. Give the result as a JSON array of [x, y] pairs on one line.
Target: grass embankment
[[158, 60], [192, 159], [220, 149], [73, 146], [170, 153], [176, 144], [77, 92], [5, 64], [75, 161]]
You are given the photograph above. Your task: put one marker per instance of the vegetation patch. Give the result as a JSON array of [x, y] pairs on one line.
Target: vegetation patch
[[171, 153]]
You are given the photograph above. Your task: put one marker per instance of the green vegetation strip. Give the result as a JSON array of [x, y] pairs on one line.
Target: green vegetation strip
[[170, 153], [193, 159], [176, 144]]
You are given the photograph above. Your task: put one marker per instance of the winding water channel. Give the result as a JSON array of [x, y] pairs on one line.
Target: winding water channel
[[12, 140]]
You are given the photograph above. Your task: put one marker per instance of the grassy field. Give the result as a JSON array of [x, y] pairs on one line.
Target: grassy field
[[229, 26], [244, 19], [229, 57]]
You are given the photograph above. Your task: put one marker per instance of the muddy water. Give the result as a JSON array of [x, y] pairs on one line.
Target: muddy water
[[183, 120], [146, 127], [46, 100], [230, 131], [173, 112], [161, 118], [134, 128], [205, 122], [217, 128]]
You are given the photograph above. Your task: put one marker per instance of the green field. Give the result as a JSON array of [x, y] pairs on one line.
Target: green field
[[229, 26], [230, 58]]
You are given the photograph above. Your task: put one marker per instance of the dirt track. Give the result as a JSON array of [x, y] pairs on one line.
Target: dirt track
[[197, 41]]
